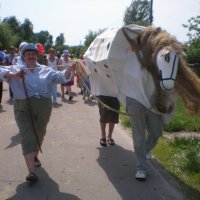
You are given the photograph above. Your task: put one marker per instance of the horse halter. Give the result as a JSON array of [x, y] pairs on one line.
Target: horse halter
[[167, 62]]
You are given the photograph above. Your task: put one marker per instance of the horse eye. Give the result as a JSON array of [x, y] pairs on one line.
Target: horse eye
[[167, 57]]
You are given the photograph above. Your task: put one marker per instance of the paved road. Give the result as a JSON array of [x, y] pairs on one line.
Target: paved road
[[74, 166]]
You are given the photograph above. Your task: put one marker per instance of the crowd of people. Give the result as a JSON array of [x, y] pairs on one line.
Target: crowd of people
[[56, 61], [33, 81]]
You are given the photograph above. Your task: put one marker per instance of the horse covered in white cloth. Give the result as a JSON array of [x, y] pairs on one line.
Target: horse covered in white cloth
[[124, 59], [144, 67]]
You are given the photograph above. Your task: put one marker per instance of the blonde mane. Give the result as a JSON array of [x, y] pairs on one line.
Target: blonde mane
[[150, 41]]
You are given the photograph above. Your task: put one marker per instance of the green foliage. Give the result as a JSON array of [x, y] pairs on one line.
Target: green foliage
[[125, 120], [183, 121], [189, 149], [76, 50], [60, 40], [45, 38], [181, 157], [193, 51], [13, 23], [60, 48], [89, 38], [23, 32], [193, 45], [26, 29], [6, 37], [138, 13], [193, 27]]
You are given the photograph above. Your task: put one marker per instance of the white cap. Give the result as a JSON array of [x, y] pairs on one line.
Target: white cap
[[22, 44]]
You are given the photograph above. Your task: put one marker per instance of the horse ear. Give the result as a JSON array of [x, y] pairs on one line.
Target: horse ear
[[164, 52], [183, 53]]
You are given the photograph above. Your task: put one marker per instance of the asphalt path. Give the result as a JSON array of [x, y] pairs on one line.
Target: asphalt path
[[74, 165]]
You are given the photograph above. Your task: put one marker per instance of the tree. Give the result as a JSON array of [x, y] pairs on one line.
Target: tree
[[193, 27], [60, 40], [45, 38], [6, 36], [27, 30], [193, 51], [193, 45], [138, 13], [49, 42], [14, 25], [13, 22], [89, 38]]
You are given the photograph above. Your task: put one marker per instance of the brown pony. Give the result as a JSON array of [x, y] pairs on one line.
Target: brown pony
[[150, 41]]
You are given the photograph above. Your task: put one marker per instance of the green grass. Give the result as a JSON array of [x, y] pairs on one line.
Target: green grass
[[124, 119], [181, 157], [182, 121]]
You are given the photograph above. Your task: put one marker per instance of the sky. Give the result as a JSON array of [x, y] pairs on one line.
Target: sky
[[75, 18]]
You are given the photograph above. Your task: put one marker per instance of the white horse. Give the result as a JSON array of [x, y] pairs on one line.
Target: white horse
[[144, 68], [116, 69]]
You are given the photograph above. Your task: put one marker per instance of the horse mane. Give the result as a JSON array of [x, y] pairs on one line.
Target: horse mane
[[188, 86], [150, 41]]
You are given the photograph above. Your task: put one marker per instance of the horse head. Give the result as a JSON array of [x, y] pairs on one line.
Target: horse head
[[167, 62], [160, 55]]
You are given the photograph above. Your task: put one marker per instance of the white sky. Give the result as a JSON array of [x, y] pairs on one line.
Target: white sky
[[75, 18]]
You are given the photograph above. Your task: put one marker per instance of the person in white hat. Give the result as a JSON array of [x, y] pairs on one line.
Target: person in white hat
[[64, 62], [18, 59]]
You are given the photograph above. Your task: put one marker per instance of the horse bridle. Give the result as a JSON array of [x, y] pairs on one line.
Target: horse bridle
[[167, 59]]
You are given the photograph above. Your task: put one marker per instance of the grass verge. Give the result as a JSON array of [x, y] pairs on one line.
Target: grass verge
[[181, 157]]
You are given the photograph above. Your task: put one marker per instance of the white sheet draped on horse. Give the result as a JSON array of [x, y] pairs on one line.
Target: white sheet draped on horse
[[116, 70]]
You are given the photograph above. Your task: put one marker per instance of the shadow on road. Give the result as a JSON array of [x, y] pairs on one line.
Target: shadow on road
[[2, 110], [15, 140], [90, 102], [45, 189], [119, 165]]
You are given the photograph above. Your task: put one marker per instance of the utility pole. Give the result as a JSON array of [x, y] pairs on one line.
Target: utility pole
[[151, 13], [0, 11]]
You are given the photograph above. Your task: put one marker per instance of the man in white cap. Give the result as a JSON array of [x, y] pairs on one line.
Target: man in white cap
[[18, 59]]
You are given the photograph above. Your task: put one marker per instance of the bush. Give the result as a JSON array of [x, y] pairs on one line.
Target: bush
[[193, 51]]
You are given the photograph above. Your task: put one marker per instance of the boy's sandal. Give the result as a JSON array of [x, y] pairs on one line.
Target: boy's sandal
[[32, 177], [111, 141], [103, 142]]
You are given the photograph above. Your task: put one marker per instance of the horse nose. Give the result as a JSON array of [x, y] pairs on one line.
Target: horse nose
[[167, 84]]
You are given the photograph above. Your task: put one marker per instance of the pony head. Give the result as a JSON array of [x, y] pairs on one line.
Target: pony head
[[167, 62], [161, 58]]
